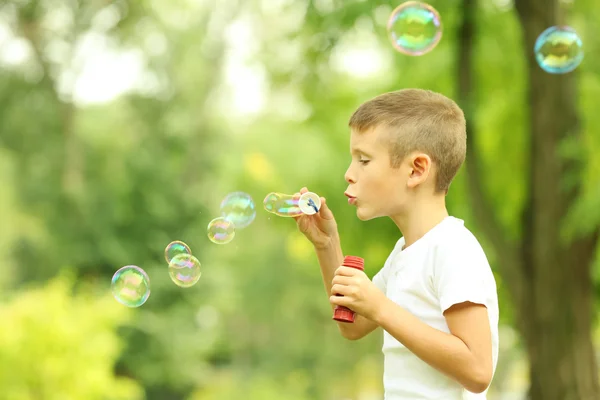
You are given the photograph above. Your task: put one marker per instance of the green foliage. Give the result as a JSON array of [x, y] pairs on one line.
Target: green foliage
[[361, 379], [252, 388], [56, 344]]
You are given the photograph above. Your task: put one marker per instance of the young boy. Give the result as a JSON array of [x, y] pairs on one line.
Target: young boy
[[435, 297]]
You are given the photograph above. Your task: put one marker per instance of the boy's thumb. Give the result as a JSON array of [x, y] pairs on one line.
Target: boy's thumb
[[325, 212]]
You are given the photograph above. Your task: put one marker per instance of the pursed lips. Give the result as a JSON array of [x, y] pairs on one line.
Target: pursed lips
[[351, 199]]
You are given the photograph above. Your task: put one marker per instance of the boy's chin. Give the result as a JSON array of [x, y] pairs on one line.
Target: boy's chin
[[365, 214]]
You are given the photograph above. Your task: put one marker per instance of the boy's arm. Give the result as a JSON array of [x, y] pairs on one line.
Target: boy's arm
[[465, 354], [330, 258]]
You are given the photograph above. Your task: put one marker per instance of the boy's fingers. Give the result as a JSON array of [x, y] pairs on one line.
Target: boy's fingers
[[325, 212], [342, 280], [345, 271], [323, 205], [303, 190], [340, 289], [339, 300]]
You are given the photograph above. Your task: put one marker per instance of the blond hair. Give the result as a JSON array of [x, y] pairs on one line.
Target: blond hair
[[418, 120]]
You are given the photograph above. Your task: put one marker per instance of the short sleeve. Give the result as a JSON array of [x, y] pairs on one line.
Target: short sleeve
[[463, 274]]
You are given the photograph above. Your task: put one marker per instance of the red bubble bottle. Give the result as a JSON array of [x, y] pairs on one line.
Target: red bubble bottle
[[341, 313]]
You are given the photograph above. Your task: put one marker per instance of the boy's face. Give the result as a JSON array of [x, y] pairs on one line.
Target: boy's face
[[374, 187]]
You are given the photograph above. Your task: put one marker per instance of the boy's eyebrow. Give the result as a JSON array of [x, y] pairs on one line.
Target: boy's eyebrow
[[357, 150]]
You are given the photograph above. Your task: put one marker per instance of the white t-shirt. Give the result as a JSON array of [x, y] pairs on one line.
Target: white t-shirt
[[446, 266]]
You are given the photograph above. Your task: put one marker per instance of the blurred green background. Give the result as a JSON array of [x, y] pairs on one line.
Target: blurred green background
[[123, 125]]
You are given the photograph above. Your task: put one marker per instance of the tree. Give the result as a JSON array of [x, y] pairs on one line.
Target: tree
[[547, 274]]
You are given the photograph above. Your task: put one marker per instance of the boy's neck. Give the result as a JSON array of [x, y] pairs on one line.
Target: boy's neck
[[421, 218]]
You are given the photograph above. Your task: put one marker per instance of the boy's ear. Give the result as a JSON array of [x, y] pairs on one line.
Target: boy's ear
[[420, 168]]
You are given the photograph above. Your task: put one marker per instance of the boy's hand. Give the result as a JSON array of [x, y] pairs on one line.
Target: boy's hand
[[359, 293], [319, 228]]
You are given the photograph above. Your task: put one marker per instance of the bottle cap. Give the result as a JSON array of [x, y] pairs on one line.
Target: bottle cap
[[343, 314], [354, 262]]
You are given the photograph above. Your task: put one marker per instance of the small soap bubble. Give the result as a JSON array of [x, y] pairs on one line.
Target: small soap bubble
[[221, 231], [175, 248], [130, 286], [239, 208], [558, 50], [309, 203], [184, 270], [283, 205], [414, 28]]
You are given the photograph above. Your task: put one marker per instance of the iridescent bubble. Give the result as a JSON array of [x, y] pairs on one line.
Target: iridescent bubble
[[175, 248], [284, 205], [221, 231], [184, 270], [130, 286], [239, 208], [558, 50], [414, 28]]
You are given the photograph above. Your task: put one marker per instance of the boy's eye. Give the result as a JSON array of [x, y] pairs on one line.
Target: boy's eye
[[364, 162]]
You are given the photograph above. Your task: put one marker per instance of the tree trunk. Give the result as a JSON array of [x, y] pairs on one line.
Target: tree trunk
[[549, 281]]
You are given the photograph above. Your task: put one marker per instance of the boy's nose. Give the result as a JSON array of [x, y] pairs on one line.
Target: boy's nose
[[348, 177]]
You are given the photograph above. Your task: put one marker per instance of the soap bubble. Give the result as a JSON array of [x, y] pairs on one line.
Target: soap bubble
[[284, 205], [175, 248], [239, 208], [558, 50], [130, 286], [414, 28], [292, 205], [221, 231], [184, 270]]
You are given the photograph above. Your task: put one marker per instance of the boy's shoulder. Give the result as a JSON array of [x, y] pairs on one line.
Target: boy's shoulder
[[454, 235], [449, 242], [457, 242]]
